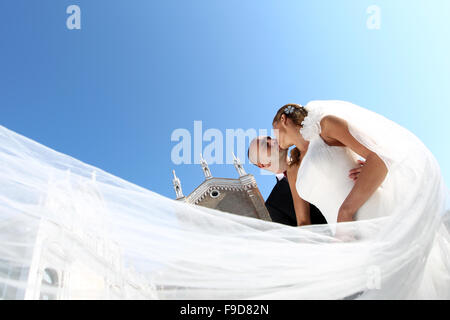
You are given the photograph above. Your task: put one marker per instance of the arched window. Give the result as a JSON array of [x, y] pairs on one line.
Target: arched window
[[49, 285]]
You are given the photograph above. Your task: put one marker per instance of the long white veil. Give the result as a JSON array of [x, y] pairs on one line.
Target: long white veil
[[72, 231]]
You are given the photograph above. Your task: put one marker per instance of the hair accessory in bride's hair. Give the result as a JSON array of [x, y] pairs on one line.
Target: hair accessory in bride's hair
[[289, 109]]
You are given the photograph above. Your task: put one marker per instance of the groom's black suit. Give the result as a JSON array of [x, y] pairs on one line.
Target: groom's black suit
[[281, 206]]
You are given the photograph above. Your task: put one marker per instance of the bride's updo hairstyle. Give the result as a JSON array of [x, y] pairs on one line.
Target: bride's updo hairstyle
[[297, 114]]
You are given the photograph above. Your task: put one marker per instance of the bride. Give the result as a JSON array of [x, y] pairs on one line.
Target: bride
[[318, 154], [400, 178]]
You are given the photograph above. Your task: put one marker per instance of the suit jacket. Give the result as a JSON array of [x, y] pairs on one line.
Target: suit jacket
[[281, 206]]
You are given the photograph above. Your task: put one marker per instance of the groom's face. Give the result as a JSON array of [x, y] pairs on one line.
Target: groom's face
[[264, 152]]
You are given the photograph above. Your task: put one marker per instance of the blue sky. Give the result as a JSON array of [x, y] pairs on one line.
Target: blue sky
[[112, 93]]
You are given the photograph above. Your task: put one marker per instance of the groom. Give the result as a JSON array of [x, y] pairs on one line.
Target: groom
[[265, 154]]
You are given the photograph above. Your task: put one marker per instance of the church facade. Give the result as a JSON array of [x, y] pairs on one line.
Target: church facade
[[239, 196]]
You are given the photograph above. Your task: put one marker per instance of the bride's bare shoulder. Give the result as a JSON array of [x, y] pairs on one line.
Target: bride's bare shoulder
[[332, 128], [331, 123]]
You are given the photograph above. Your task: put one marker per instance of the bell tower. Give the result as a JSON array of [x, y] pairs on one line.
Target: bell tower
[[205, 168], [177, 186], [238, 166]]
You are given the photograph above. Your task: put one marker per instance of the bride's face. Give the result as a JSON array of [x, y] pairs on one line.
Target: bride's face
[[283, 129]]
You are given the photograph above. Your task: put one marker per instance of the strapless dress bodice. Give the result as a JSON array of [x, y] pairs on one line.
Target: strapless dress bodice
[[323, 181]]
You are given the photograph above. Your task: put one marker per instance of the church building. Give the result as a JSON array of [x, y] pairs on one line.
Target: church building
[[240, 196]]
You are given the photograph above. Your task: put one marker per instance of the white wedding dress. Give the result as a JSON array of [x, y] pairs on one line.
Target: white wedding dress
[[323, 181], [410, 192], [69, 230]]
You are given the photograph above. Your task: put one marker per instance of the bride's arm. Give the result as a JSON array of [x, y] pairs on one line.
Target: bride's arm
[[372, 173], [301, 206]]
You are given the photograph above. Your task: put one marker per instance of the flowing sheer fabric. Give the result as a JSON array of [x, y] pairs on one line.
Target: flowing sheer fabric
[[72, 231]]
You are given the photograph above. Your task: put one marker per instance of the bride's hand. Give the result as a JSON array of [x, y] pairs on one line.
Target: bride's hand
[[354, 173]]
